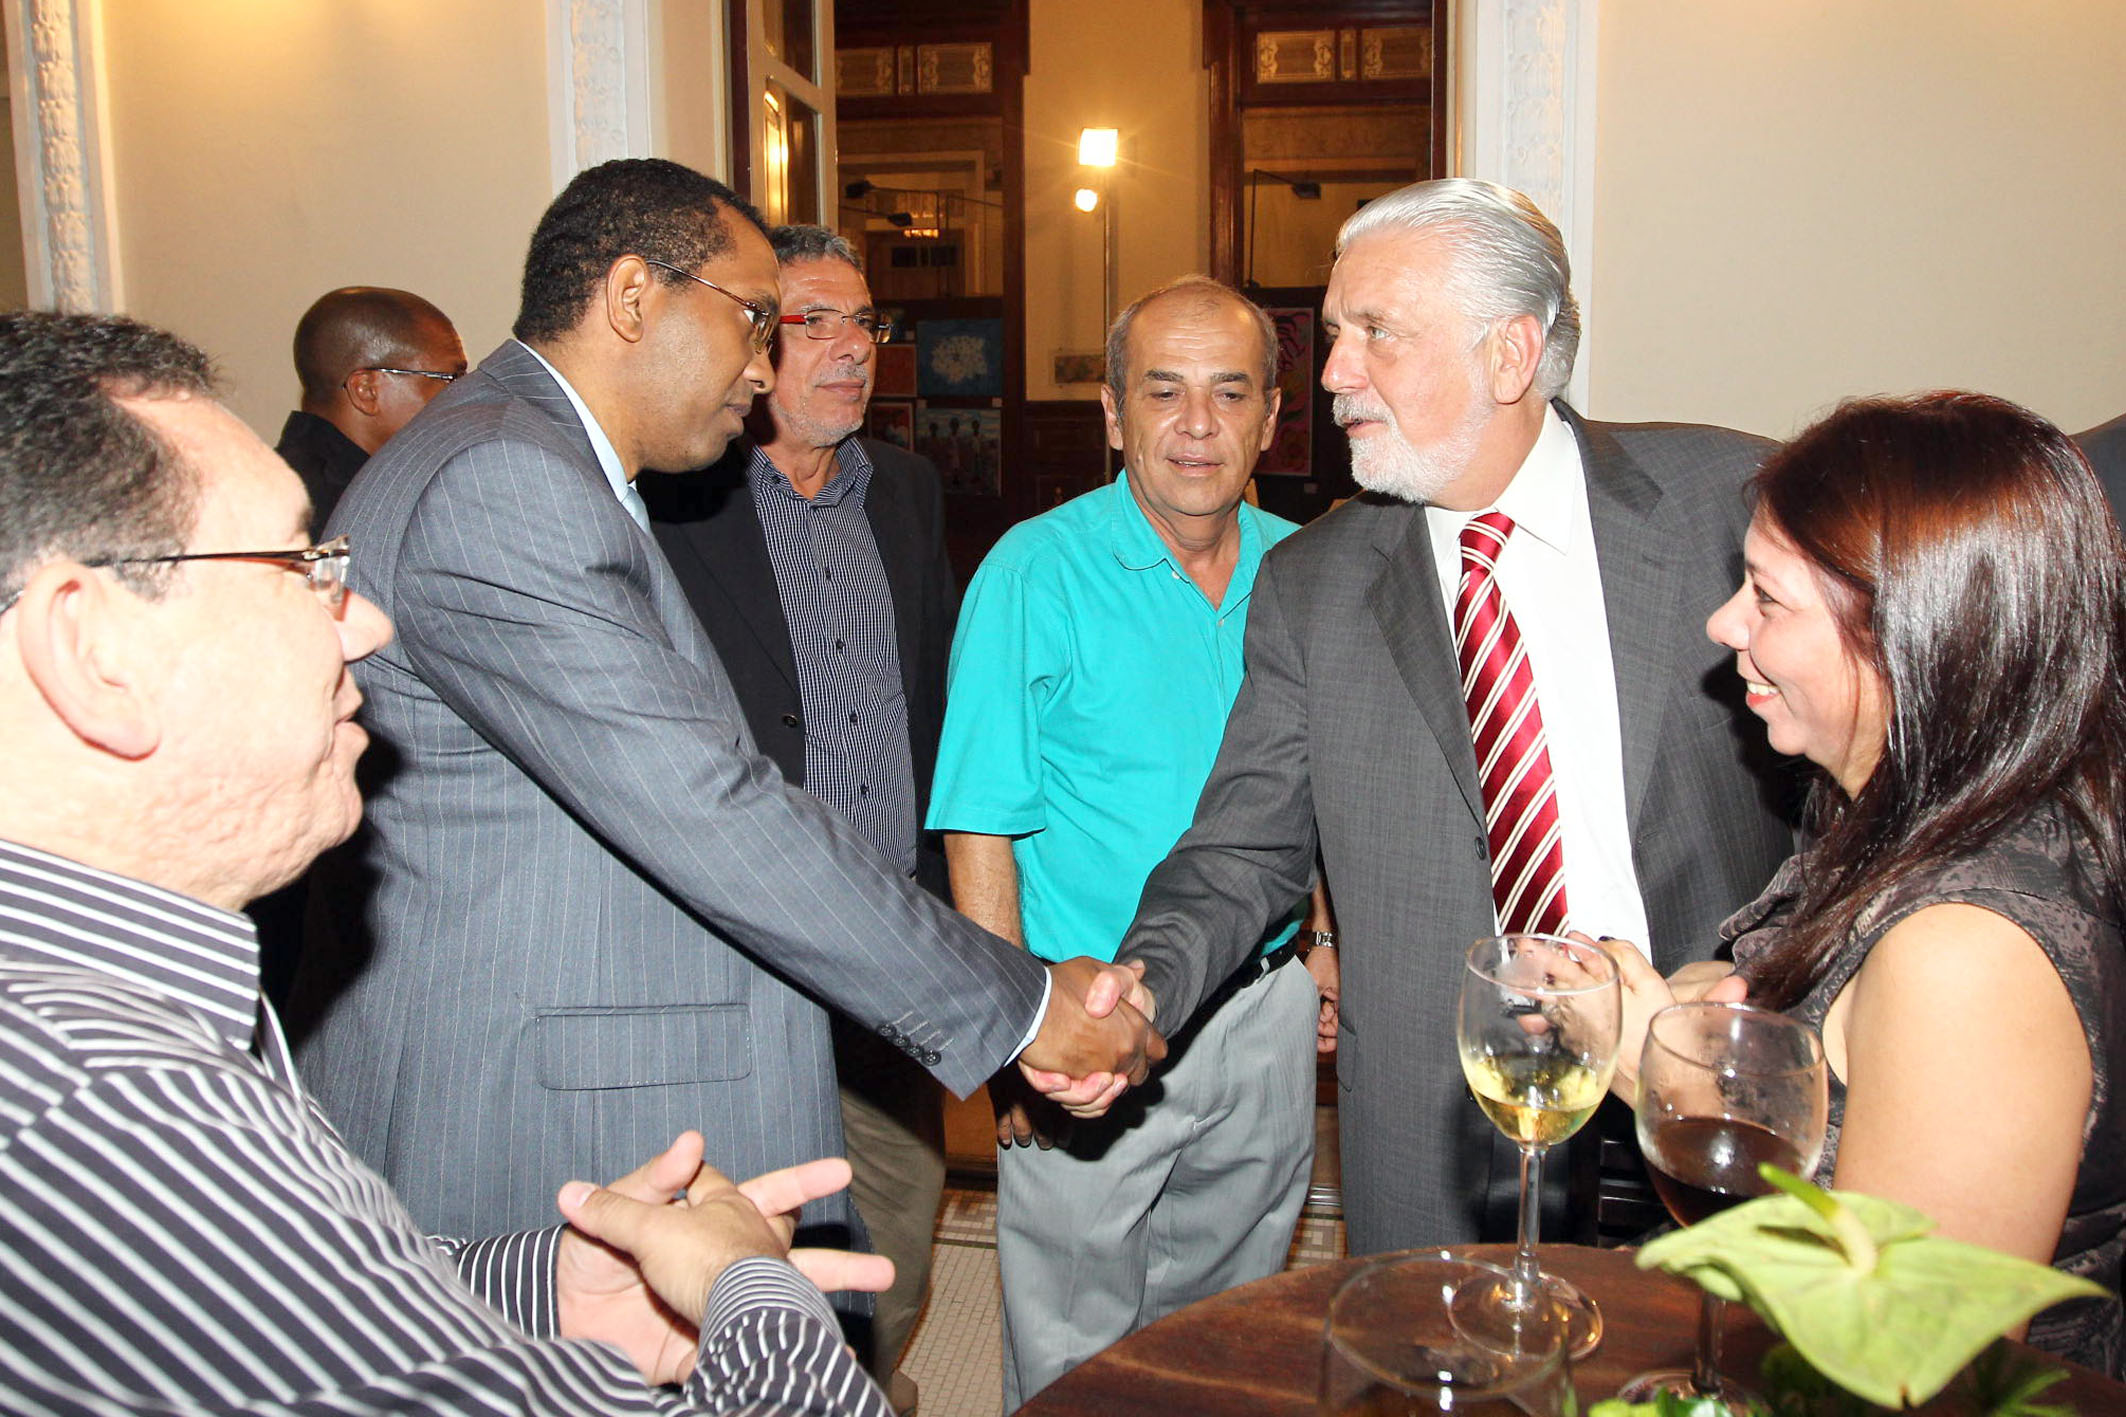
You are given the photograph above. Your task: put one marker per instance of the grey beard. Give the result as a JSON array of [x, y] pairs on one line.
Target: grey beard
[[1390, 465]]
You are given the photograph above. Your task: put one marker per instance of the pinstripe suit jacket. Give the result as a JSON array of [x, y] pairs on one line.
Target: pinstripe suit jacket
[[1351, 721], [584, 913]]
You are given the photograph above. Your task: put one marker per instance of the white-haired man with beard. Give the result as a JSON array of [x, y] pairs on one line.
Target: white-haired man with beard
[[1572, 564]]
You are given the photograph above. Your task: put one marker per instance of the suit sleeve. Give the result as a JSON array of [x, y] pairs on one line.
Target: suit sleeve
[[1250, 851], [523, 601]]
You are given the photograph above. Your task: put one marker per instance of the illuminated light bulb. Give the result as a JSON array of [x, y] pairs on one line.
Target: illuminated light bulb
[[1097, 147]]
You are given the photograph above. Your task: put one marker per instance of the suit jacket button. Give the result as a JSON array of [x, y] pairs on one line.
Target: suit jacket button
[[930, 1059], [1482, 848], [791, 720]]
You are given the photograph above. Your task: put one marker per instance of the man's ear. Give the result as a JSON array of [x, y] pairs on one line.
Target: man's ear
[[1269, 419], [1114, 417], [1513, 350], [363, 392], [79, 639], [627, 287]]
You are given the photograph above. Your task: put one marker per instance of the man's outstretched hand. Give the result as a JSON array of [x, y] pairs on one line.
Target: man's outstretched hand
[[1092, 1045]]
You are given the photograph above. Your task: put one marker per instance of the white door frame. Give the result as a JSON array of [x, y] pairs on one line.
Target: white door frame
[[63, 154]]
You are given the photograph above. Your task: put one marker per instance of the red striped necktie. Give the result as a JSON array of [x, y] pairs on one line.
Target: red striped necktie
[[1512, 751]]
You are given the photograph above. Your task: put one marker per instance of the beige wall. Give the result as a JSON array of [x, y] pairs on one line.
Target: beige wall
[[14, 277], [1134, 65], [264, 153], [1796, 200], [691, 104]]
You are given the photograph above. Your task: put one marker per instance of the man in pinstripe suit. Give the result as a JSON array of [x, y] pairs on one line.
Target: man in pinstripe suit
[[585, 914], [815, 560]]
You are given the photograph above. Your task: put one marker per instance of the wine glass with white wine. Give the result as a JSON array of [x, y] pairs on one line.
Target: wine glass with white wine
[[1538, 1036]]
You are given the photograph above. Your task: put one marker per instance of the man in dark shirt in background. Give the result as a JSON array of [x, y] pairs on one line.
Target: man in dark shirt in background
[[369, 359]]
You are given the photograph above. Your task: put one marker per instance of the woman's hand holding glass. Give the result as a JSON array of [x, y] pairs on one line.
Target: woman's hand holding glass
[[1646, 993]]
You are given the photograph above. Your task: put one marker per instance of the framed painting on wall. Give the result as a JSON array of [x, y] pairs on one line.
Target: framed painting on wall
[[1291, 451], [967, 446], [895, 378], [960, 358], [891, 421]]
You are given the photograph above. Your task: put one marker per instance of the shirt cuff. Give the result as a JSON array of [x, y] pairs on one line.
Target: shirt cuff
[[514, 1274], [759, 1282], [1048, 983]]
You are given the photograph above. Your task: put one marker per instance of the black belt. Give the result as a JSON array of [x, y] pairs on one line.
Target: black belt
[[1264, 964], [1260, 967]]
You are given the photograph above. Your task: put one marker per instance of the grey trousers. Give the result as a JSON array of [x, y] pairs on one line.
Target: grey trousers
[[893, 1132], [1192, 1185]]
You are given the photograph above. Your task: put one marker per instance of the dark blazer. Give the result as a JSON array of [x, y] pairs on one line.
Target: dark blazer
[[1350, 729], [710, 531], [583, 913], [2105, 447]]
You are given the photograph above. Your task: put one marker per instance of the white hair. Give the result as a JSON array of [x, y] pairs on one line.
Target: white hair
[[1508, 259]]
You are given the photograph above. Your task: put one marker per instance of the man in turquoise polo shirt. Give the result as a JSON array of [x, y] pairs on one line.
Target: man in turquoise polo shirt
[[1099, 650]]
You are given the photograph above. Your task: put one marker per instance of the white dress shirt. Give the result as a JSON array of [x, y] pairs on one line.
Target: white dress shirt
[[1552, 583]]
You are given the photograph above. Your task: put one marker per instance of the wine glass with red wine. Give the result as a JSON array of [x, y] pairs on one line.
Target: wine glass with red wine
[[1723, 1087]]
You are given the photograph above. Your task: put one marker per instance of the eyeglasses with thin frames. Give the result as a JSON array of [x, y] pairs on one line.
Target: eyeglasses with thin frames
[[438, 374], [324, 566], [761, 317], [829, 324]]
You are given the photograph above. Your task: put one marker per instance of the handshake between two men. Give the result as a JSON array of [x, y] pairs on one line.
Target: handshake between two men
[[1096, 1038]]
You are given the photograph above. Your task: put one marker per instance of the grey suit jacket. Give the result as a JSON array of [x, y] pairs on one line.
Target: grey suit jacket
[[584, 913], [1351, 722], [2105, 447]]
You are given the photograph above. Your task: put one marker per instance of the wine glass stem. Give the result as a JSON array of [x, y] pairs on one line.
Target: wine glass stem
[[1705, 1366], [1525, 1272]]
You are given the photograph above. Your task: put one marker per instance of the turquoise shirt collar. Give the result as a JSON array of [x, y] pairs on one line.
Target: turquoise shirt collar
[[1137, 546]]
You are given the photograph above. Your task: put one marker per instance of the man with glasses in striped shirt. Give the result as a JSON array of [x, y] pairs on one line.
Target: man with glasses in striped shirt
[[179, 1227]]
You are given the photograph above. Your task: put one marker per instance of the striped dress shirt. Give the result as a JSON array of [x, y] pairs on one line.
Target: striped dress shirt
[[181, 1231], [839, 607]]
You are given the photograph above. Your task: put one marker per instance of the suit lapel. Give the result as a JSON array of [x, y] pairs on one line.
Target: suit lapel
[[1405, 599], [522, 376], [887, 510], [1640, 595], [732, 550]]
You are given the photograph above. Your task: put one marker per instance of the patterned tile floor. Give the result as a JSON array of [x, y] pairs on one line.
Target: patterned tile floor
[[955, 1354]]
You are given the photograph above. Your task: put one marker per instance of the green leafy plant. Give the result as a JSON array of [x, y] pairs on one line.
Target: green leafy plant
[[1873, 1306]]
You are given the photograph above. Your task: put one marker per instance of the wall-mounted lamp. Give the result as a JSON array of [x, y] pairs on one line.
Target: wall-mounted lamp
[[1101, 149]]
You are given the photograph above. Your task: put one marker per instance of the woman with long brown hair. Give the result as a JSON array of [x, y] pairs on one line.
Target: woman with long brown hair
[[1933, 612]]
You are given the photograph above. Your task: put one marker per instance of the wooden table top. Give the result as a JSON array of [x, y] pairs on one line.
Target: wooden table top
[[1256, 1350]]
